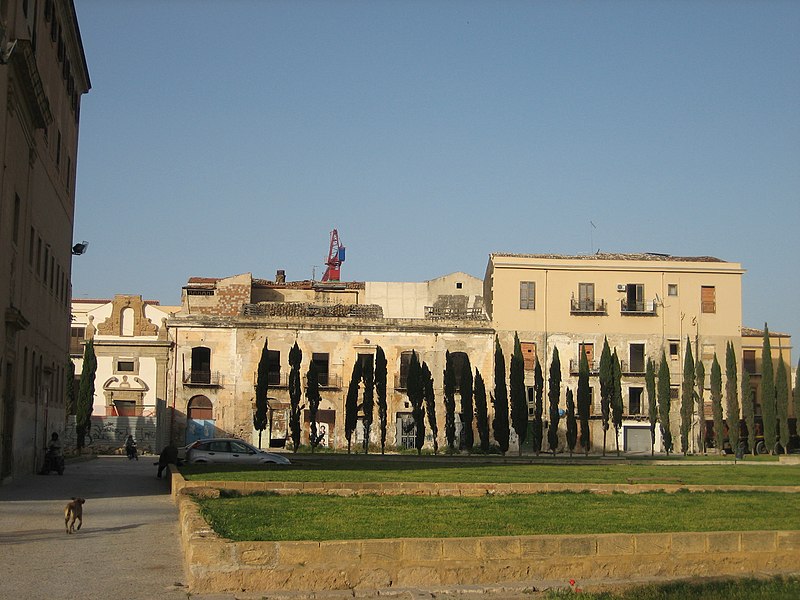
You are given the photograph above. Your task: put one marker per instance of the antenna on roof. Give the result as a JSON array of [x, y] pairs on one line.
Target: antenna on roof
[[591, 237]]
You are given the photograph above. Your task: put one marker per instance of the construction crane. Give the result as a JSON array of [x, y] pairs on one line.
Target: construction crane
[[335, 259]]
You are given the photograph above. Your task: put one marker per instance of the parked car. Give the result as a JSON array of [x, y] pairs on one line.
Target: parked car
[[232, 451]]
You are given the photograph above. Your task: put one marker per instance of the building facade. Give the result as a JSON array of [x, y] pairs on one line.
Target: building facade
[[43, 75]]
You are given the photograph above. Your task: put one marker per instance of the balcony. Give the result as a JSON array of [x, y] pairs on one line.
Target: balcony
[[587, 307], [437, 313], [639, 308], [197, 378], [635, 368], [280, 380], [575, 366]]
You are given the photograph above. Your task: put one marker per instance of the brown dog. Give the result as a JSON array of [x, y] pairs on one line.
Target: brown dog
[[73, 512]]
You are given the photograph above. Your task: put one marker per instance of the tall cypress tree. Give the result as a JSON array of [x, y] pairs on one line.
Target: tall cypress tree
[[481, 413], [351, 404], [467, 413], [716, 404], [260, 419], [500, 399], [519, 402], [652, 402], [295, 393], [700, 380], [572, 423], [314, 398], [687, 397], [797, 397], [83, 417], [449, 384], [553, 395], [616, 397], [70, 403], [606, 377], [584, 401], [380, 390], [430, 405], [768, 408], [664, 402], [416, 396], [538, 408], [748, 411], [732, 396], [782, 403], [368, 376]]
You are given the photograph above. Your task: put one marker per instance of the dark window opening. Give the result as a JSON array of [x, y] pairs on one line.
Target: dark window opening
[[635, 401], [201, 365], [321, 361], [637, 358]]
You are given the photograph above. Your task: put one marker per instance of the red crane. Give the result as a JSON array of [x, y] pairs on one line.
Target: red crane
[[335, 259]]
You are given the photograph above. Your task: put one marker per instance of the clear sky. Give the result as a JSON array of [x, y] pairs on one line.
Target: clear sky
[[223, 137]]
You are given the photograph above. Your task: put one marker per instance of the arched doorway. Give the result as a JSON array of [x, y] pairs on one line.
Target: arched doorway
[[199, 419]]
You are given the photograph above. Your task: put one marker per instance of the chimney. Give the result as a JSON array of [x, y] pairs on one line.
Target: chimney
[[280, 276]]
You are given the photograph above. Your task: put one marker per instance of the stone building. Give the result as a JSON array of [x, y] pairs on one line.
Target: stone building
[[43, 75]]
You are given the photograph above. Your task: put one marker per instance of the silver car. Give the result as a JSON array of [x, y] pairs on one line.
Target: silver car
[[230, 450]]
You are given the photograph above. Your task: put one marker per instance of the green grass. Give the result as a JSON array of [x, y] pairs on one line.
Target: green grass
[[314, 517], [356, 470], [778, 588]]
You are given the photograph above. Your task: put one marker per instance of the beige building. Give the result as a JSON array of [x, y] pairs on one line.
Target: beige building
[[645, 304], [220, 332], [43, 75]]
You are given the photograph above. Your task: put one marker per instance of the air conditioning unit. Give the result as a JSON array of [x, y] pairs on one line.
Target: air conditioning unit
[[621, 287]]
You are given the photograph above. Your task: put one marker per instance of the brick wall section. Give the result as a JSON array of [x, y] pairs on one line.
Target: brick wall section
[[217, 565], [231, 296]]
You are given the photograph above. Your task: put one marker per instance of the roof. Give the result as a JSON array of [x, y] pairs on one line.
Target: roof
[[651, 256], [754, 332]]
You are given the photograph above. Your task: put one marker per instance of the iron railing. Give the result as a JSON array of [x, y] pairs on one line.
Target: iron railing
[[587, 307]]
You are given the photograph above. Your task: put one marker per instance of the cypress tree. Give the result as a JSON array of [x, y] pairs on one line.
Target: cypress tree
[[481, 413], [467, 414], [449, 384], [606, 377], [553, 395], [260, 419], [716, 404], [416, 396], [83, 416], [380, 390], [500, 400], [295, 393], [351, 404], [314, 398], [430, 405], [797, 397], [572, 423], [782, 403], [70, 404], [368, 376], [687, 397], [538, 408], [732, 396], [616, 397], [768, 408], [664, 402], [748, 411], [584, 401], [519, 402], [700, 380], [652, 402]]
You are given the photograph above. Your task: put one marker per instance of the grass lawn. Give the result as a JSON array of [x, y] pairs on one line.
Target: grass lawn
[[312, 517], [739, 589], [354, 469]]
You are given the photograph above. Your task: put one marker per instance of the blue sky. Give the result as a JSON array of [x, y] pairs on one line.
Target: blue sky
[[227, 137]]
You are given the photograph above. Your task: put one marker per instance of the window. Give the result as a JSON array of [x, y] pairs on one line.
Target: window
[[126, 366], [527, 295], [635, 400], [588, 349], [674, 349], [273, 367], [76, 339], [708, 299], [201, 365], [460, 362], [709, 350], [634, 298], [749, 361], [586, 296], [637, 362], [528, 355], [321, 361], [672, 289], [459, 285]]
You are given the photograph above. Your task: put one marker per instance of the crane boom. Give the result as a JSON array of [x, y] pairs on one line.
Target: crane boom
[[335, 259]]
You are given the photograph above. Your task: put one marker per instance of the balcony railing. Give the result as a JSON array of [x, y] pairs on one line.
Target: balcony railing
[[455, 314], [281, 380], [634, 368], [198, 378], [638, 308], [588, 307], [575, 366]]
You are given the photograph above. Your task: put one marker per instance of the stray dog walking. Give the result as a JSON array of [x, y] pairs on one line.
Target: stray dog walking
[[73, 512]]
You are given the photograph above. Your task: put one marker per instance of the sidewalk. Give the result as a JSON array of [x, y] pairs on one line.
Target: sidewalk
[[127, 549]]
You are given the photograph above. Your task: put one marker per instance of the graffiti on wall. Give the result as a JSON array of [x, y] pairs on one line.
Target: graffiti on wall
[[108, 434]]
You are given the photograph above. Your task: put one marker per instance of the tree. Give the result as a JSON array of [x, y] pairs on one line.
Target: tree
[[664, 402], [538, 408], [606, 377], [748, 411], [584, 401], [553, 395], [652, 402], [481, 413], [416, 396], [449, 384], [732, 396], [500, 400], [314, 398], [295, 358], [616, 397], [351, 404], [260, 416], [430, 405], [797, 395], [572, 423], [83, 416], [768, 408], [380, 390], [782, 403], [519, 401], [368, 405], [700, 380], [467, 414], [70, 404], [687, 397], [716, 404]]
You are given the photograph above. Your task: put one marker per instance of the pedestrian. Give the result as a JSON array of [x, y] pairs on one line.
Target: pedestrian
[[130, 448], [168, 456]]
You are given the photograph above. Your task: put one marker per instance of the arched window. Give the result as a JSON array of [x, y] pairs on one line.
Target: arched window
[[126, 321], [460, 360]]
